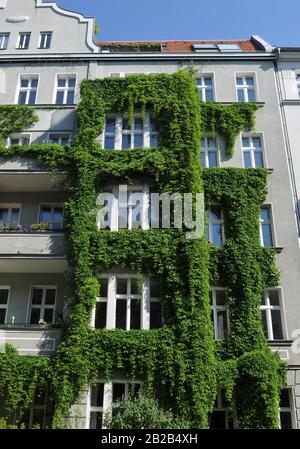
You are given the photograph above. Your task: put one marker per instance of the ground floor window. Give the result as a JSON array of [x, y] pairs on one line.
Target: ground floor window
[[103, 396], [39, 415], [222, 416], [286, 410]]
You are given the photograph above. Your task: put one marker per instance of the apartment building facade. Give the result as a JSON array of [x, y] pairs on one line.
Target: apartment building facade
[[46, 52]]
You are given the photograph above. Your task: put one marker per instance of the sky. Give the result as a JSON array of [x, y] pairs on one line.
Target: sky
[[276, 21]]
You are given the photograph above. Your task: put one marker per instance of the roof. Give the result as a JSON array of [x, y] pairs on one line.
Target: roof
[[182, 46]]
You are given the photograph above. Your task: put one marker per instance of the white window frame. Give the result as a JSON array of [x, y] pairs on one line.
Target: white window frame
[[202, 87], [268, 308], [226, 410], [290, 409], [60, 135], [11, 206], [252, 149], [48, 35], [217, 308], [271, 223], [43, 305], [108, 404], [30, 77], [5, 306], [206, 149], [114, 208], [52, 205], [18, 137], [112, 297], [146, 132], [4, 38], [22, 36], [65, 89], [245, 87], [210, 225]]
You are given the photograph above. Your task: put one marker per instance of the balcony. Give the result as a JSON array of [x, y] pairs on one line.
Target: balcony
[[30, 339]]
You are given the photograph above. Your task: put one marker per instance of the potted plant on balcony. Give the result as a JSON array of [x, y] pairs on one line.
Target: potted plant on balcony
[[43, 323], [10, 227], [39, 227]]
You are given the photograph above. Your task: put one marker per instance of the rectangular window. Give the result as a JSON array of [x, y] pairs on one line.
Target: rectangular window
[[219, 313], [4, 38], [245, 88], [59, 139], [53, 215], [65, 89], [45, 40], [103, 397], [205, 87], [266, 232], [4, 294], [215, 226], [298, 84], [252, 152], [21, 139], [42, 305], [286, 410], [222, 416], [24, 40], [9, 215], [272, 315], [39, 414], [28, 90], [121, 134], [209, 152], [122, 304]]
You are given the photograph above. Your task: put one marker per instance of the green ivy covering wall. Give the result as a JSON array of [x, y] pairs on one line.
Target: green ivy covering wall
[[181, 360]]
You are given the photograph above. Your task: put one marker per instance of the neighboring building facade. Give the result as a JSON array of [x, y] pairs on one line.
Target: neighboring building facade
[[45, 53]]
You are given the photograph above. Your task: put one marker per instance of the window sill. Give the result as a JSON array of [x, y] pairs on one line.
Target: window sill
[[53, 106], [258, 103], [295, 102], [280, 342]]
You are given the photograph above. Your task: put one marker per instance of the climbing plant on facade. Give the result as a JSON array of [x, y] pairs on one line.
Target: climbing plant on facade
[[180, 360]]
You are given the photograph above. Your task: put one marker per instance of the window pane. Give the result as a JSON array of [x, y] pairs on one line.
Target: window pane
[[256, 142], [267, 235], [274, 297], [126, 124], [121, 311], [251, 95], [126, 141], [121, 286], [118, 391], [203, 160], [217, 234], [60, 97], [245, 142], [284, 398], [258, 159], [209, 95], [2, 316], [138, 140], [3, 296], [110, 125], [32, 97], [222, 323], [109, 143], [264, 323], [247, 159], [155, 289], [96, 420], [4, 215], [239, 81], [45, 214], [34, 316], [212, 159], [208, 81], [155, 315], [277, 325], [220, 297], [71, 97], [50, 297], [215, 213], [49, 315], [249, 81], [103, 288], [24, 82], [138, 124], [133, 287], [38, 418], [61, 82], [37, 296], [72, 82], [265, 214], [241, 97], [22, 97], [285, 420], [100, 318], [58, 215], [153, 141], [34, 83], [40, 396], [97, 394], [135, 314]]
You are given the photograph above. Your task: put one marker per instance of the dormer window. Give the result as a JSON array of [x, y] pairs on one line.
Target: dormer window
[[24, 40], [45, 40]]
